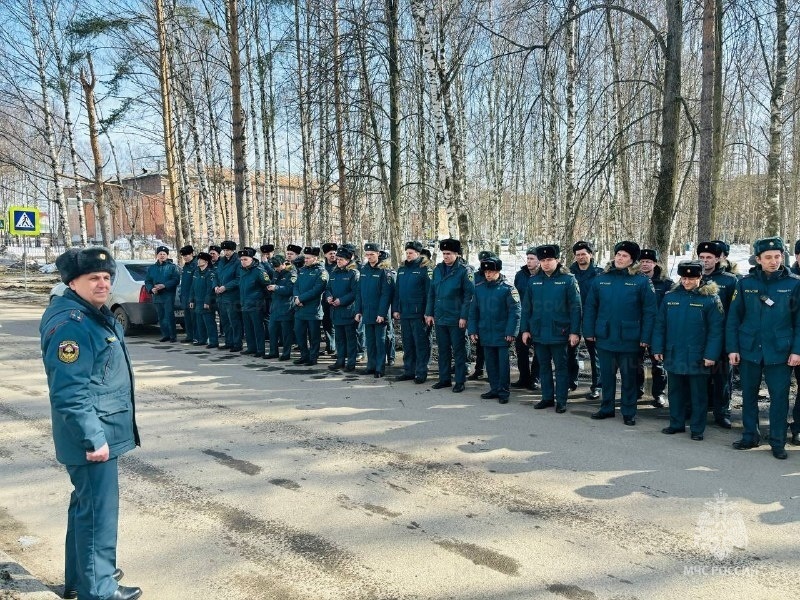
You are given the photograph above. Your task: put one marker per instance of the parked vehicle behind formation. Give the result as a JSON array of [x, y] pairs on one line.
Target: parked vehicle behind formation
[[130, 302]]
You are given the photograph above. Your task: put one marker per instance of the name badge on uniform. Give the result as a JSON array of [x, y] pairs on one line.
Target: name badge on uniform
[[111, 339], [767, 300]]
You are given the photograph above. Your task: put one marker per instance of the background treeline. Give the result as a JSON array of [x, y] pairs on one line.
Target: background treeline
[[659, 121]]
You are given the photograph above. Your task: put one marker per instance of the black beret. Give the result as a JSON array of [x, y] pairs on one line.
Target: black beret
[[205, 256], [724, 246], [450, 245], [632, 248], [329, 247], [770, 243], [162, 249], [491, 264], [215, 248], [344, 253], [187, 250], [294, 248], [690, 268], [371, 247], [648, 254], [312, 250], [548, 251], [583, 245], [797, 247], [79, 261], [247, 251], [265, 248], [484, 254], [228, 245], [414, 245], [530, 250], [710, 248]]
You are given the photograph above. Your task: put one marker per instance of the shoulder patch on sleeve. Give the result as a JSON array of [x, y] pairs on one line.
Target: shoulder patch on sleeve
[[324, 275], [470, 275], [515, 294], [68, 351]]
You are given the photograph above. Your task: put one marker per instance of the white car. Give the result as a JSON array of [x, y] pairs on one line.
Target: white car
[[130, 302]]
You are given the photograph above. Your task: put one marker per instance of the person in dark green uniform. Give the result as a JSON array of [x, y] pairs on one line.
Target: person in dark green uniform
[[162, 281], [227, 290], [90, 378], [449, 296], [253, 282], [688, 337], [202, 299], [620, 314], [795, 425], [719, 393], [551, 318], [762, 337], [312, 279], [281, 319], [584, 271], [376, 292], [187, 274], [494, 322], [410, 296], [649, 267], [343, 297]]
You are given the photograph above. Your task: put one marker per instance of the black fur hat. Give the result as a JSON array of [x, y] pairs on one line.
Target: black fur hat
[[709, 247], [294, 248], [228, 245], [215, 248], [583, 245], [632, 248], [649, 254], [690, 268], [371, 247], [187, 250], [491, 264], [548, 251], [265, 248], [329, 246], [344, 253], [247, 251], [80, 261], [451, 245], [312, 250], [414, 245], [205, 256], [162, 249]]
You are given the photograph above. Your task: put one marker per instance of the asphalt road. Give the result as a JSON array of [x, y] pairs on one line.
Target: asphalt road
[[258, 480]]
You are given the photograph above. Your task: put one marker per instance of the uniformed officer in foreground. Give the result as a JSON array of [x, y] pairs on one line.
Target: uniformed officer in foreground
[[227, 290], [688, 338], [494, 323], [187, 274], [376, 290], [281, 316], [312, 279], [620, 314], [342, 296], [584, 270], [551, 319], [202, 301], [408, 306], [162, 281], [90, 378], [253, 282], [762, 337]]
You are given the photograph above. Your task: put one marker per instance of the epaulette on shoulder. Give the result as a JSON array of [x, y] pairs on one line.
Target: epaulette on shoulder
[[76, 315]]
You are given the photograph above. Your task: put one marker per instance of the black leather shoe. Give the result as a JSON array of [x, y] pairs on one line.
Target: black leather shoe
[[673, 430], [420, 380], [271, 355], [503, 399], [534, 386], [441, 384], [723, 422], [72, 594], [743, 445], [573, 387], [592, 395], [126, 593], [173, 340], [659, 402], [489, 395], [780, 453], [284, 358], [367, 372], [697, 437], [378, 375], [198, 344], [235, 349], [404, 377], [213, 346], [544, 404], [476, 376], [334, 367], [299, 361], [245, 352], [311, 363], [224, 347], [795, 441], [561, 409], [164, 339], [349, 369], [258, 355], [519, 384], [458, 388], [629, 421], [600, 415]]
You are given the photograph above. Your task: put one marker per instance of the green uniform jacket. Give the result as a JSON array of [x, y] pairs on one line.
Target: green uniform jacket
[[309, 287], [620, 310], [90, 379], [494, 312], [689, 328], [763, 321], [166, 273], [450, 295], [551, 307]]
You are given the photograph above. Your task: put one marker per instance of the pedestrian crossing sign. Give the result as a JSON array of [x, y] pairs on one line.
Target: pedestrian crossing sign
[[23, 220]]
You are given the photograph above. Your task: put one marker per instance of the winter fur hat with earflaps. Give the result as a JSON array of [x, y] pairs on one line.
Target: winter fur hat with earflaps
[[80, 261]]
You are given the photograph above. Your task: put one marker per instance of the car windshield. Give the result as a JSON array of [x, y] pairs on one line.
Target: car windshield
[[138, 272]]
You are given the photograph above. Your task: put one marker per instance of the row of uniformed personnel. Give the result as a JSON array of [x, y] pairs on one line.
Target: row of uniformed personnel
[[615, 309]]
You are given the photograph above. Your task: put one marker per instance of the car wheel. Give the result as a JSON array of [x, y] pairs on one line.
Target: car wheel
[[123, 319]]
